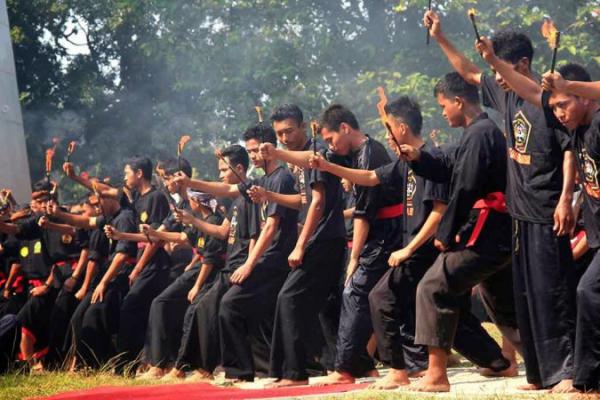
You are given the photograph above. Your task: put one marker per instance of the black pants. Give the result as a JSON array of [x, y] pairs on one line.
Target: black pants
[[133, 320], [544, 285], [587, 339], [298, 304], [244, 309], [355, 319], [94, 325], [200, 341], [393, 308], [451, 278], [180, 258], [165, 323], [34, 319]]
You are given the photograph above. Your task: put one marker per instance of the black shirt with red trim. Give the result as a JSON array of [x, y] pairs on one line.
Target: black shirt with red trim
[[212, 250]]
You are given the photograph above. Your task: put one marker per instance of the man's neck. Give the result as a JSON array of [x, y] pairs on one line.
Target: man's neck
[[591, 111], [357, 138], [414, 141], [144, 187], [270, 166], [304, 141], [471, 113]]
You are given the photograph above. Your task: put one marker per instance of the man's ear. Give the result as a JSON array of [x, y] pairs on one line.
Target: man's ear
[[523, 65], [460, 103]]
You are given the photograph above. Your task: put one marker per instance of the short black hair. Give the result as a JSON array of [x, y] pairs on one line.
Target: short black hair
[[335, 115], [575, 72], [408, 110], [42, 186], [288, 111], [454, 85], [512, 46], [141, 163], [261, 132], [237, 155], [174, 165]]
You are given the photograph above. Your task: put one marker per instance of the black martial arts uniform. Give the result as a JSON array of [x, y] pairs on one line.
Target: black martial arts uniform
[[151, 208], [9, 256], [61, 251], [586, 144], [381, 207], [306, 287], [541, 260], [251, 304], [477, 171], [166, 325], [200, 344], [180, 256], [392, 300]]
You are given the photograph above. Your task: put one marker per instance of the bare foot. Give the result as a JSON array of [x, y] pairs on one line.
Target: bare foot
[[530, 387], [417, 374], [38, 368], [336, 378], [394, 379], [199, 376], [511, 371], [152, 373], [564, 386], [431, 383], [285, 383], [173, 375]]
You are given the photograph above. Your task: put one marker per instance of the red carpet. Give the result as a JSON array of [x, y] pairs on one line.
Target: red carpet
[[203, 391]]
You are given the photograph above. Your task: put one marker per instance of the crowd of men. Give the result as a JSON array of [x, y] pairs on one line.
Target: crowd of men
[[301, 273]]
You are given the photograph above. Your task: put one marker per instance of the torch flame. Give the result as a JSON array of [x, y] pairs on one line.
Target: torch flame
[[182, 142], [71, 147], [260, 114], [314, 127], [550, 33], [49, 157], [472, 12], [381, 105]]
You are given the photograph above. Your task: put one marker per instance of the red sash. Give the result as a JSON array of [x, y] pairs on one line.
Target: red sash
[[390, 212], [493, 201]]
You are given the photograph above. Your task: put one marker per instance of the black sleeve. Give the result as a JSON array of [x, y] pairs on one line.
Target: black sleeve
[[95, 249], [436, 192], [171, 224], [11, 250], [469, 176], [435, 167], [83, 238], [126, 224], [158, 210], [29, 228], [244, 186], [214, 248], [284, 184], [390, 174], [493, 95]]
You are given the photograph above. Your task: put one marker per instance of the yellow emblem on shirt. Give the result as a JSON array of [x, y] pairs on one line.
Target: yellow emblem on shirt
[[144, 217], [66, 239], [200, 243], [24, 252], [37, 248]]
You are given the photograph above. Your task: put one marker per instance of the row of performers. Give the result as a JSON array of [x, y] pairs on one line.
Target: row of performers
[[495, 211]]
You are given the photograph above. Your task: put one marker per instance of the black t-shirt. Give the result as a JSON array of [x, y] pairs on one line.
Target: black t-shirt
[[586, 145], [151, 208], [349, 222], [281, 181], [10, 252], [476, 168], [123, 221], [331, 225], [33, 263], [244, 225], [170, 223], [99, 246], [418, 193], [384, 234], [534, 181], [211, 249]]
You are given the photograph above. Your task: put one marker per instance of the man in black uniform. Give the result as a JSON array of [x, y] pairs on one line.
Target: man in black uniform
[[167, 323], [538, 197], [377, 231], [200, 348], [316, 260], [474, 233], [573, 113], [150, 276]]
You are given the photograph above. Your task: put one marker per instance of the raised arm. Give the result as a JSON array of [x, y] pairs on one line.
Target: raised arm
[[358, 176], [299, 158], [259, 194], [555, 81], [217, 231], [217, 189], [461, 64]]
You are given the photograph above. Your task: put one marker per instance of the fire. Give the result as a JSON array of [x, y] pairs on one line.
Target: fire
[[381, 104], [49, 157], [260, 114], [182, 142], [314, 127], [472, 12], [71, 147], [550, 33]]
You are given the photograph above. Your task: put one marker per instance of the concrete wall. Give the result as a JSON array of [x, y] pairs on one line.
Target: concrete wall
[[14, 165]]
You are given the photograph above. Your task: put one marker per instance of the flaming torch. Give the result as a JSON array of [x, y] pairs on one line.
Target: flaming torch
[[50, 156], [262, 128], [314, 127], [552, 35], [428, 27], [383, 115], [70, 149], [180, 146]]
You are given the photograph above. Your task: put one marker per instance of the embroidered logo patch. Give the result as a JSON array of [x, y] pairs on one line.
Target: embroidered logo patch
[[144, 217], [200, 243], [66, 239], [411, 189], [37, 248], [521, 132], [24, 252], [590, 172], [232, 226]]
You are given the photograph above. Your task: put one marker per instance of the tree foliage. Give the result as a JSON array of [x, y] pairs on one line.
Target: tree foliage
[[128, 77]]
